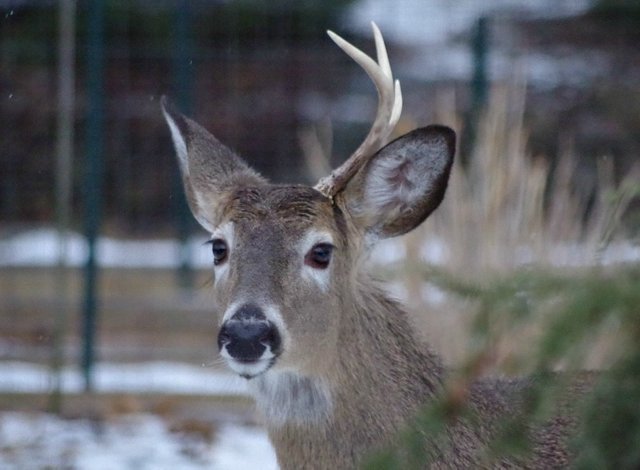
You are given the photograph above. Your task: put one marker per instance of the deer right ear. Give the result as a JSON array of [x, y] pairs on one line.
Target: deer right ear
[[210, 170], [402, 183]]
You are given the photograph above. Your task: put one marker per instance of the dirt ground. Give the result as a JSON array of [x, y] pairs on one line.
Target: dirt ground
[[142, 315]]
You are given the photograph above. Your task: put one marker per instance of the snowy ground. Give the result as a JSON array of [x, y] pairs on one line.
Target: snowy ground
[[41, 248], [136, 442], [148, 377]]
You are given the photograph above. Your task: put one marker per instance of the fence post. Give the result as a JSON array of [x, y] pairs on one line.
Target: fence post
[[182, 81], [93, 178], [479, 81], [64, 162]]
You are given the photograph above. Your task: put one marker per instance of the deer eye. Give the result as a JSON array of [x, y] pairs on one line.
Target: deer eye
[[319, 256], [219, 250]]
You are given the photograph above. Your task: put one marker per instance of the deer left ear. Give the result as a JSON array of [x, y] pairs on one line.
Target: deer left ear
[[210, 170], [402, 183]]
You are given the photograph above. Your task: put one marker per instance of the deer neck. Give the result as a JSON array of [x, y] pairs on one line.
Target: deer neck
[[381, 375]]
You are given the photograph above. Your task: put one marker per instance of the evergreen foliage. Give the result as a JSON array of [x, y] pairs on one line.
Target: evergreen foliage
[[574, 311]]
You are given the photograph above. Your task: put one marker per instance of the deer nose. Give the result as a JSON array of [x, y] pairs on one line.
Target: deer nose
[[247, 335]]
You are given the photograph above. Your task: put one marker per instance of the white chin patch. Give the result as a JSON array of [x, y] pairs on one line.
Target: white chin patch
[[286, 397], [249, 370]]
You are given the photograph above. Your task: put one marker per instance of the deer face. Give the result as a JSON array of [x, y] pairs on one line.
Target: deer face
[[277, 254], [286, 258]]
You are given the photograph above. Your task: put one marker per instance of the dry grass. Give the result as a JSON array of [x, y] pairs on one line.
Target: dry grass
[[507, 208], [505, 211]]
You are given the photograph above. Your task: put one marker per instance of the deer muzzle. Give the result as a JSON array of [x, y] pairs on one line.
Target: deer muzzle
[[249, 339]]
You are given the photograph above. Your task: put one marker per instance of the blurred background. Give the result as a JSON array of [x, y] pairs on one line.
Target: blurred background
[[104, 313]]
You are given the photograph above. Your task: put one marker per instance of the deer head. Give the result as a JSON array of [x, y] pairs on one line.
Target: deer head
[[287, 258]]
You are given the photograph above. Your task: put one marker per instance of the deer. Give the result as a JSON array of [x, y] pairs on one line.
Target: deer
[[332, 361]]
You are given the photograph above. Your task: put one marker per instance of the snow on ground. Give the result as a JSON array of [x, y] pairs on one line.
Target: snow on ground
[[141, 442], [148, 377], [39, 248], [30, 441]]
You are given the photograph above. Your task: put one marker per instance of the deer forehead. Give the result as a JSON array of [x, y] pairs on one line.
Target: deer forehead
[[287, 213], [269, 230]]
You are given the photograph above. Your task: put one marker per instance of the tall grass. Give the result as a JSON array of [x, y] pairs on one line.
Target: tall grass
[[507, 208]]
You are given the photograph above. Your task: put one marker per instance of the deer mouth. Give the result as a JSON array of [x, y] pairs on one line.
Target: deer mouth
[[249, 368], [248, 362]]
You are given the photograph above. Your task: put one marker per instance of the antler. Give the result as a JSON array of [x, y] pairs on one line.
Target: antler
[[389, 109]]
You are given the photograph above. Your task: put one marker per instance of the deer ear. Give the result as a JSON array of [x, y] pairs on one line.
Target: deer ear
[[210, 170], [402, 183]]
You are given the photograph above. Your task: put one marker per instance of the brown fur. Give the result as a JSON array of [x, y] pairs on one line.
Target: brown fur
[[348, 351], [378, 395]]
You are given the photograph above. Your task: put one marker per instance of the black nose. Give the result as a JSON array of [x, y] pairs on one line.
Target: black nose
[[247, 334]]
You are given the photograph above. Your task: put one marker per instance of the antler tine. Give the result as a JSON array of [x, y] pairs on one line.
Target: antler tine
[[389, 109]]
